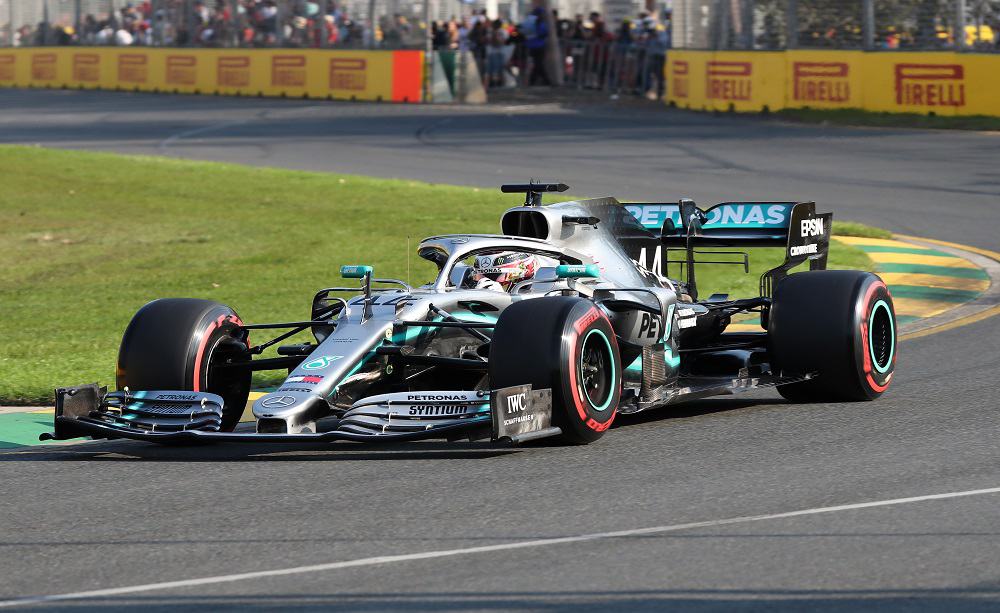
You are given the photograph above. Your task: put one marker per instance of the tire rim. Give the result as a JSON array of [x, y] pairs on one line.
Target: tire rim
[[219, 351], [881, 337], [597, 372]]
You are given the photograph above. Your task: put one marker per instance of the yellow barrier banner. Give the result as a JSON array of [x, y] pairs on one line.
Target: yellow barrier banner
[[685, 85], [745, 81], [725, 81], [918, 83], [944, 83], [982, 87], [313, 73], [824, 79]]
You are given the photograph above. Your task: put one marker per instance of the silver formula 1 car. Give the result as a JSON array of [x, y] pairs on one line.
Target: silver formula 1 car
[[551, 328]]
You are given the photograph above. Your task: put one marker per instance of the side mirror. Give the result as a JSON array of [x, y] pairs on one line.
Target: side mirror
[[365, 273], [546, 274], [355, 272]]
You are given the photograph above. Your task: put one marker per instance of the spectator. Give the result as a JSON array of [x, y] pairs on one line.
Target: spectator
[[657, 40], [123, 37], [439, 34], [496, 57], [535, 32], [64, 36], [579, 30], [598, 60], [478, 42]]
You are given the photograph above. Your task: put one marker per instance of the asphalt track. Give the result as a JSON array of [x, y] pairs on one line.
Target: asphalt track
[[109, 515]]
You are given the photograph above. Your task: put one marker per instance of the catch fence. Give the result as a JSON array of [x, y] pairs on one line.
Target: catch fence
[[872, 25], [351, 24], [610, 66]]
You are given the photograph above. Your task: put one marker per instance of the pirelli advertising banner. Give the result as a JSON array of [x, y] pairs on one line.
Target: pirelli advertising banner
[[944, 83], [361, 75], [823, 79], [707, 80]]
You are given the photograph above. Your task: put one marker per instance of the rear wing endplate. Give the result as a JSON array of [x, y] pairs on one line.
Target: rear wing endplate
[[808, 240]]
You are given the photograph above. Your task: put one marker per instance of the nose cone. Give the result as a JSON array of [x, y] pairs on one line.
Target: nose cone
[[289, 412], [281, 404]]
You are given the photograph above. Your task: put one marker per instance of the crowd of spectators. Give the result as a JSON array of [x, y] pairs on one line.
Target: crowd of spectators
[[592, 54], [222, 23], [984, 37]]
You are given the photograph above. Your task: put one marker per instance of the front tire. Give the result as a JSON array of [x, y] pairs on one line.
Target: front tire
[[565, 344], [839, 323], [172, 344]]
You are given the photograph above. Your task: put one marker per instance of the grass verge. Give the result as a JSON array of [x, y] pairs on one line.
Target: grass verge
[[860, 117], [86, 239]]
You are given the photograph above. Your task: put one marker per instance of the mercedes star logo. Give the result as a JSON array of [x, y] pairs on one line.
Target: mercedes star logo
[[278, 402]]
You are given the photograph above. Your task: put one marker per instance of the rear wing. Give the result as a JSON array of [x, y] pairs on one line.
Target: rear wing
[[796, 226]]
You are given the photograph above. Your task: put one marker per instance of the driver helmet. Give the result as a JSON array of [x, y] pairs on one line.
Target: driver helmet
[[507, 268]]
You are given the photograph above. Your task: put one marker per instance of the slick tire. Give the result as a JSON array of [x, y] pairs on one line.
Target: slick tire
[[839, 324], [171, 344], [565, 344]]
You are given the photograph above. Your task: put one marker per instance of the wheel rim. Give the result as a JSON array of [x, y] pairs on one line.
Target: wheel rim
[[881, 337], [225, 382], [597, 372]]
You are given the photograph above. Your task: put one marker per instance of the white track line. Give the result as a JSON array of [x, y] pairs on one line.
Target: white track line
[[409, 557]]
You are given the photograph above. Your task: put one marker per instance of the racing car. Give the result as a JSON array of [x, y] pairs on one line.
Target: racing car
[[551, 328]]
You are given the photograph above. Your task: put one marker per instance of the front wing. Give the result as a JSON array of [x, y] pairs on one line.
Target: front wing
[[516, 414]]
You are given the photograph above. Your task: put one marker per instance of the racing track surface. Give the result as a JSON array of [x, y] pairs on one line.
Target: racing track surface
[[102, 515]]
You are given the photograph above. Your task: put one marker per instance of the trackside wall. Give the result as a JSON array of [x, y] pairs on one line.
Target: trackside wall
[[339, 74], [945, 83]]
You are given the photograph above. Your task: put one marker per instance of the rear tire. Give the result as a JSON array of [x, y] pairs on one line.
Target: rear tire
[[839, 323], [171, 344], [565, 344]]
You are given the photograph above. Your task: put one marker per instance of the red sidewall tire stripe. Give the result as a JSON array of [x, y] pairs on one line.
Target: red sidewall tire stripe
[[579, 327], [866, 364], [203, 346]]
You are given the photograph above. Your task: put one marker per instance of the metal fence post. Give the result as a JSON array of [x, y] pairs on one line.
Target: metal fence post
[[960, 25], [318, 33], [233, 32], [868, 25], [746, 23], [723, 24], [42, 35], [428, 53], [460, 90], [77, 17], [279, 23], [792, 24], [554, 61], [189, 21]]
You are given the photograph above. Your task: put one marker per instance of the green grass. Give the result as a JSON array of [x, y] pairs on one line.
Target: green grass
[[860, 117], [730, 279], [87, 238], [853, 228]]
